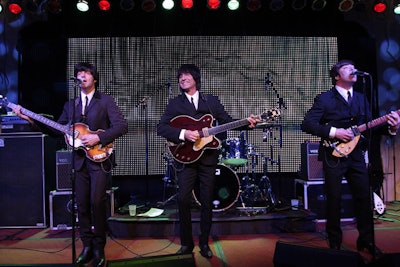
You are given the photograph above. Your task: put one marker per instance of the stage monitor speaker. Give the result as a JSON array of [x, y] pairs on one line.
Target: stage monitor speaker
[[388, 260], [63, 169], [173, 260], [26, 161], [289, 255], [311, 167]]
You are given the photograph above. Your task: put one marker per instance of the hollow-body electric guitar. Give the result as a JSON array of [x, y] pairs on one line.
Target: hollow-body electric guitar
[[189, 152], [344, 149], [72, 133]]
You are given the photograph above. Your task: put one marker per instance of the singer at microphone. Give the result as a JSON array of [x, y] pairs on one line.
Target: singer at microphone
[[76, 80], [359, 73]]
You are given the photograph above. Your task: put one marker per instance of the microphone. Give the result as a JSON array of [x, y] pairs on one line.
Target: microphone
[[359, 73], [169, 86], [267, 82], [76, 80]]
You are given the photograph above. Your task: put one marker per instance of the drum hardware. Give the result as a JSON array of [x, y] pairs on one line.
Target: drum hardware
[[169, 180], [234, 151]]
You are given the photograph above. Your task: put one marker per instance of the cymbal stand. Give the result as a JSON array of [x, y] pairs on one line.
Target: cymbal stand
[[265, 184], [169, 180]]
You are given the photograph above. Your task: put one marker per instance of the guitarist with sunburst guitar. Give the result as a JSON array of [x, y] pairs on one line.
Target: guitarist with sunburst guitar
[[187, 126], [91, 122], [339, 116]]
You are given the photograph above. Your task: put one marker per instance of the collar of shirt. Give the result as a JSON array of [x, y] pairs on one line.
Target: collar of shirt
[[195, 98], [90, 96], [343, 92]]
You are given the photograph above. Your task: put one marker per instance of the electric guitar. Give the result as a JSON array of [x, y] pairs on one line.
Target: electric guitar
[[344, 149], [189, 152], [97, 153]]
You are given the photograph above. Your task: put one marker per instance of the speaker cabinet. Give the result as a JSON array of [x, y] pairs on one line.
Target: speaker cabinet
[[27, 172], [60, 203], [311, 168], [63, 169], [289, 255]]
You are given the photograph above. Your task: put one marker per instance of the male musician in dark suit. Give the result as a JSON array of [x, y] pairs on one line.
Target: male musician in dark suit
[[194, 104], [331, 116], [98, 111]]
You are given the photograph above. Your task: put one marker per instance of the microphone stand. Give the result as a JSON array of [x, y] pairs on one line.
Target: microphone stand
[[143, 102], [369, 169], [73, 216]]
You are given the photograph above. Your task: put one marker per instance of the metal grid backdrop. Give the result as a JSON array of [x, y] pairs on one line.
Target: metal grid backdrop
[[234, 68]]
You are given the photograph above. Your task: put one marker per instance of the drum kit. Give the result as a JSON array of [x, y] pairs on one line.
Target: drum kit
[[255, 194]]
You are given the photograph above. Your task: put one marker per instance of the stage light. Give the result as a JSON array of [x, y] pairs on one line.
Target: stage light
[[233, 5], [104, 5], [82, 5], [276, 5], [168, 4], [54, 6], [1, 8], [396, 8], [346, 5], [148, 5], [380, 6], [186, 4], [127, 5], [299, 4], [253, 5], [213, 4], [318, 5], [15, 7]]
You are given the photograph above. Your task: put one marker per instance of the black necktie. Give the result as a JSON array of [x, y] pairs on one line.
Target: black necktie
[[84, 111], [194, 106], [349, 97]]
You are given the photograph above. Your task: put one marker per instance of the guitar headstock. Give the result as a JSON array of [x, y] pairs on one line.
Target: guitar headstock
[[4, 101], [270, 115]]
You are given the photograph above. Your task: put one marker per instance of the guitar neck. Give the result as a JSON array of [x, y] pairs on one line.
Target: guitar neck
[[375, 122], [62, 128], [228, 126]]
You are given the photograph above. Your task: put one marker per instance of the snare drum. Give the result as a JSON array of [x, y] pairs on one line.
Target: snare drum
[[234, 151], [226, 189]]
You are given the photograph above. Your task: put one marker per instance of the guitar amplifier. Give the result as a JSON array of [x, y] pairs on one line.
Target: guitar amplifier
[[63, 169], [60, 204], [311, 167]]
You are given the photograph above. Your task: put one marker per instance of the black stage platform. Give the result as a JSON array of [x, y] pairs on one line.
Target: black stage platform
[[235, 220]]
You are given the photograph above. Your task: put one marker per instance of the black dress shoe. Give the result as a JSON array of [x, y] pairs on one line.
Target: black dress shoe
[[185, 250], [206, 252], [333, 245], [85, 257], [99, 259], [371, 248]]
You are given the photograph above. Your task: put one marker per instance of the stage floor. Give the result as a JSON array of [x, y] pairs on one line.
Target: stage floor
[[231, 242]]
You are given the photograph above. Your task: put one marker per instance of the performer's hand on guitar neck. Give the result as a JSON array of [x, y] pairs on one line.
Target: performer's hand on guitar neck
[[253, 120], [191, 136], [393, 121], [346, 135], [17, 111]]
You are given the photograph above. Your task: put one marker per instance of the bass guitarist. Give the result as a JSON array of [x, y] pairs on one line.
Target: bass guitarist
[[98, 111], [194, 104]]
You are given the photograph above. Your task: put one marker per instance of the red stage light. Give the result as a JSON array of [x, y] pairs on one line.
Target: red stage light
[[187, 4], [213, 4], [380, 6], [104, 5], [15, 8]]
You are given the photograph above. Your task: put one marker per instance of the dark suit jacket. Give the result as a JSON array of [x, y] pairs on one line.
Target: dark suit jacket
[[102, 113], [331, 109], [180, 105]]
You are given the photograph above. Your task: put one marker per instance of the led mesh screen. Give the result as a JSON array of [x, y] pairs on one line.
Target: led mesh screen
[[250, 74]]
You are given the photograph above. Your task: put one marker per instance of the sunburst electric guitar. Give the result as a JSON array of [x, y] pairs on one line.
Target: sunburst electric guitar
[[189, 152], [72, 133], [344, 149]]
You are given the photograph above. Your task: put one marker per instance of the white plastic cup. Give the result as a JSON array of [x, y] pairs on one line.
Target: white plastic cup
[[132, 210], [295, 204]]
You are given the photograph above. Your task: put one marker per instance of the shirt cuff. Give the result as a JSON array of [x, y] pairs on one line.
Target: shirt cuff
[[182, 135], [332, 132], [391, 132]]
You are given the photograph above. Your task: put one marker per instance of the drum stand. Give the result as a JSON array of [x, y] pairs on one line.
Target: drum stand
[[169, 181]]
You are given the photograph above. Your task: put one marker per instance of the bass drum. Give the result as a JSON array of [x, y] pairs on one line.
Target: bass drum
[[226, 189]]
